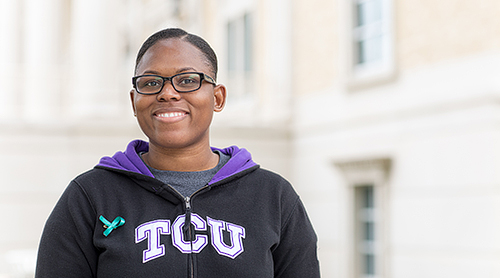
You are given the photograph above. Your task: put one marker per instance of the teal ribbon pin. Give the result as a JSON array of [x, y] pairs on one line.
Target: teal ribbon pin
[[110, 226]]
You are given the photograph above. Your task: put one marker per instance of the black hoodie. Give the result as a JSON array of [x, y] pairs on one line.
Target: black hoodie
[[117, 220]]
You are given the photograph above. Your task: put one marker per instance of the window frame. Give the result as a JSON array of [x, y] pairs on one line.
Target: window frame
[[360, 75], [360, 174], [240, 52], [363, 215]]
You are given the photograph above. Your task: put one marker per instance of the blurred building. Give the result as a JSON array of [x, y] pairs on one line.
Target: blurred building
[[383, 114]]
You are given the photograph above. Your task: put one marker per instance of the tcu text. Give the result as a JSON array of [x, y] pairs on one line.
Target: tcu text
[[153, 230]]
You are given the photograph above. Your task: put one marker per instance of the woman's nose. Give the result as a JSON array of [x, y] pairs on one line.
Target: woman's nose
[[168, 93]]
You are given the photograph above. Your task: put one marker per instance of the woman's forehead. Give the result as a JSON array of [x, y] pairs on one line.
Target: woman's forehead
[[170, 54]]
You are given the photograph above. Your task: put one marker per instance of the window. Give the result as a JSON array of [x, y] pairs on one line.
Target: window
[[365, 224], [371, 36], [367, 189], [240, 53], [368, 32]]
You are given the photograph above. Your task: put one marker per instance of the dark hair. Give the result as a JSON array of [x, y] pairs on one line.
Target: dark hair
[[178, 33]]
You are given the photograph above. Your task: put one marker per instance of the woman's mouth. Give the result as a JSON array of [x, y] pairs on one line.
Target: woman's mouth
[[171, 114]]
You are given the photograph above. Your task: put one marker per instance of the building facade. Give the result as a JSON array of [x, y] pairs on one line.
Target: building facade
[[384, 114], [397, 155]]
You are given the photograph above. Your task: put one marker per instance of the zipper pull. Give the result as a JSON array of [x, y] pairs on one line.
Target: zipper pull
[[187, 220]]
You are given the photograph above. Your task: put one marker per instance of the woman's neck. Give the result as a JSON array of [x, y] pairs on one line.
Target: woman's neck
[[182, 160]]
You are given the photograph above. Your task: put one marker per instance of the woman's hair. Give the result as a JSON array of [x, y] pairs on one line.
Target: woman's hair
[[177, 33]]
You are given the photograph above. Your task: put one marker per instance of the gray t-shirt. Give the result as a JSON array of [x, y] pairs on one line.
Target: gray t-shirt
[[189, 182]]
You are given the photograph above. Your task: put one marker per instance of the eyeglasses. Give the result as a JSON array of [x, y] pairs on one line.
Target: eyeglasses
[[150, 84]]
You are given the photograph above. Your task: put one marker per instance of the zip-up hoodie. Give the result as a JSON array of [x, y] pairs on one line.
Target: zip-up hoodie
[[117, 220]]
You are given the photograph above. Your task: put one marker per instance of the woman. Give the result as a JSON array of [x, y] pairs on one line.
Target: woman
[[174, 206]]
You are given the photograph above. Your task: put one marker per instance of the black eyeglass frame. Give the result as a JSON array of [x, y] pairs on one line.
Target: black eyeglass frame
[[202, 75]]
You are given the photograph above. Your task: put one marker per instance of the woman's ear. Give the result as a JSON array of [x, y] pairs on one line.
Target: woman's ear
[[132, 97], [219, 97]]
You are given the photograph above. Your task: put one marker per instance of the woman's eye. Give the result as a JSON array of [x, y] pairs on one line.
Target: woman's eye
[[153, 83], [187, 81]]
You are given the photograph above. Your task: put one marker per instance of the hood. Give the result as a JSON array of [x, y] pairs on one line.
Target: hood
[[130, 161]]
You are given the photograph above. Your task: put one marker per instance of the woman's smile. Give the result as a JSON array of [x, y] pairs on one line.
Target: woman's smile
[[170, 116]]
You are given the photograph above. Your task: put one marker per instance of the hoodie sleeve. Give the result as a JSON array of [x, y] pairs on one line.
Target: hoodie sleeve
[[295, 255], [66, 248]]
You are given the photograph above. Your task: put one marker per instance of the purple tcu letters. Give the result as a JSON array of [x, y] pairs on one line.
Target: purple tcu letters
[[153, 230]]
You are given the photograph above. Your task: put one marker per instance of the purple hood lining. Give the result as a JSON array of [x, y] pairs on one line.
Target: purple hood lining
[[130, 161]]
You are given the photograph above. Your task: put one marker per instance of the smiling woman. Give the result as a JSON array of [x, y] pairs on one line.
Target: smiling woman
[[181, 208]]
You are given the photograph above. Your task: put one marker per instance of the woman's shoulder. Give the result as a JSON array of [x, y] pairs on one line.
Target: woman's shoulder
[[98, 180], [269, 181], [94, 175], [267, 175]]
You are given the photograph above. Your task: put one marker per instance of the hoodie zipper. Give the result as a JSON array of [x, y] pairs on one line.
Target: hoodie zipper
[[187, 220], [188, 232], [186, 229]]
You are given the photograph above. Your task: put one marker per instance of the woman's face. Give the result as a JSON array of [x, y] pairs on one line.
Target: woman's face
[[173, 120]]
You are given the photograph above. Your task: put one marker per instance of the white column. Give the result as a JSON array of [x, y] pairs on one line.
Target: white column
[[274, 37], [10, 62], [42, 53], [96, 52]]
